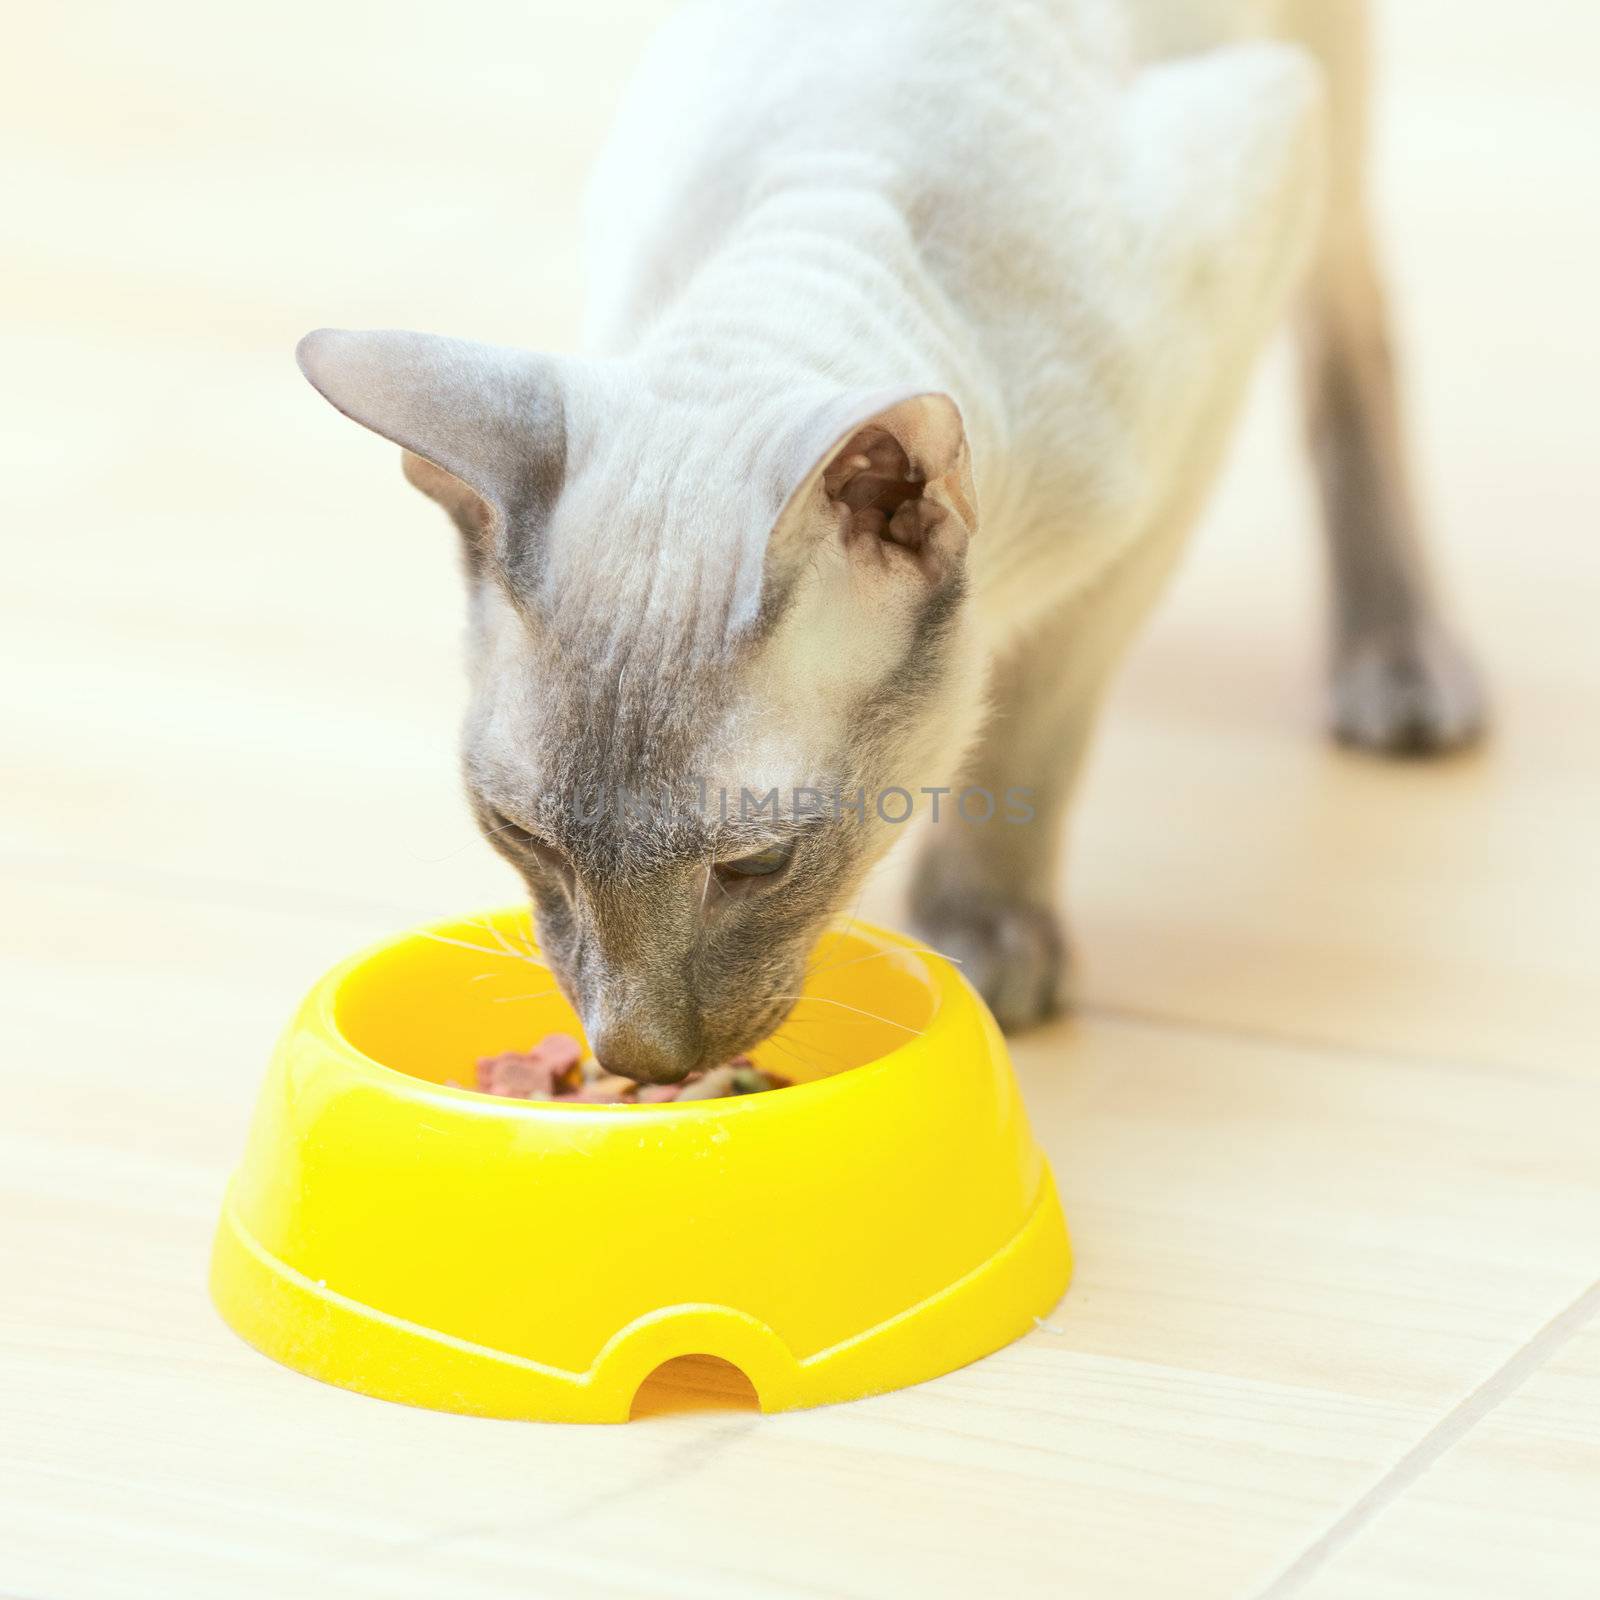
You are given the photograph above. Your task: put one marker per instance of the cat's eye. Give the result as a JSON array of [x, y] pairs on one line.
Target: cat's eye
[[760, 864], [501, 827], [504, 831]]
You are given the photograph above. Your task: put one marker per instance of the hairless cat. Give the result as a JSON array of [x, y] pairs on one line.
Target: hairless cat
[[916, 332]]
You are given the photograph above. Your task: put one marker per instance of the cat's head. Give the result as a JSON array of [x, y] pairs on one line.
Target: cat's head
[[715, 650]]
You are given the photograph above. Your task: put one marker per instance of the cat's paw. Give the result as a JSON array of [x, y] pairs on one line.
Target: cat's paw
[[1012, 952], [1416, 695]]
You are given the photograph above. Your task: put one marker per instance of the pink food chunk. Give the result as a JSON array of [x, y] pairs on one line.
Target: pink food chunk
[[551, 1068]]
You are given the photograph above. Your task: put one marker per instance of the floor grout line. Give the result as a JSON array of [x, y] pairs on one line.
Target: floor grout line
[[134, 878], [1134, 1016], [1460, 1420]]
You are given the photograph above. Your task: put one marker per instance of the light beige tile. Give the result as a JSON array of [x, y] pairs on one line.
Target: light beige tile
[[1509, 1509]]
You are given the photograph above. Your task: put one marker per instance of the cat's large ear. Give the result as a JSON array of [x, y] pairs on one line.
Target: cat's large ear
[[481, 425], [889, 476]]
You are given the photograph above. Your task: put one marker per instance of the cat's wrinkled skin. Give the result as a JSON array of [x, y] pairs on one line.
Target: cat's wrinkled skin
[[916, 332]]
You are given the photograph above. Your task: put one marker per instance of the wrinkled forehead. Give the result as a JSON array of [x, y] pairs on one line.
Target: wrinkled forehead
[[658, 536]]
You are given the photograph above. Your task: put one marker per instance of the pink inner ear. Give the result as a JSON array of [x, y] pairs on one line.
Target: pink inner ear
[[872, 479], [469, 509]]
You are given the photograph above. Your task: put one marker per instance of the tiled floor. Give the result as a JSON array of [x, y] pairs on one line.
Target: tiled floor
[[1327, 1123]]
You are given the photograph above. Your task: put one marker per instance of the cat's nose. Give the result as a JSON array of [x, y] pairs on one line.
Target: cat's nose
[[642, 1050]]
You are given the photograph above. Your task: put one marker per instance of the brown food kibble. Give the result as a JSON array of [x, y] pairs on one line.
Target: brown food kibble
[[712, 1085], [654, 1094], [750, 1079], [555, 1070], [607, 1086]]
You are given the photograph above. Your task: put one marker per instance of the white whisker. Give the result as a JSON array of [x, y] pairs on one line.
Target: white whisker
[[480, 949], [506, 999], [779, 1040], [878, 955], [872, 1016], [789, 1054], [498, 937]]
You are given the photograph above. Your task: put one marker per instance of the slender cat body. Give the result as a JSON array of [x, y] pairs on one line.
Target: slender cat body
[[915, 335]]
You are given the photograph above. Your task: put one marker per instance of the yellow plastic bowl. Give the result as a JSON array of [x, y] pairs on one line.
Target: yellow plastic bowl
[[887, 1219]]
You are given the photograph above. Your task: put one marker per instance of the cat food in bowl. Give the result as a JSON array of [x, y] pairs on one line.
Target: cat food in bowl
[[557, 1069], [884, 1217]]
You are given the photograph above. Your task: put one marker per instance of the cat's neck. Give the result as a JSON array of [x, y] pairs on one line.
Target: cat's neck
[[818, 287]]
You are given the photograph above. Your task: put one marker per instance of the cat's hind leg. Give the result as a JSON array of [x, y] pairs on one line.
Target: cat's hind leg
[[1400, 682]]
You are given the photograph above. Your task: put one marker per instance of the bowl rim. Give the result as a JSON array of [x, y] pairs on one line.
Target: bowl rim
[[944, 982]]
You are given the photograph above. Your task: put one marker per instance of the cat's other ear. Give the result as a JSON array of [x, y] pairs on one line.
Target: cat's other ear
[[482, 425], [888, 475]]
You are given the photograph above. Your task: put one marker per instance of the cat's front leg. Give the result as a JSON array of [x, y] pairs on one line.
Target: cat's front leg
[[985, 883], [987, 893], [1008, 941]]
